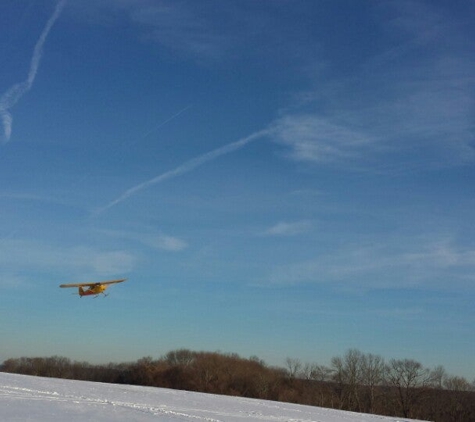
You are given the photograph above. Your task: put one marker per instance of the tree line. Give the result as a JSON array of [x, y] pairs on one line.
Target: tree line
[[356, 381]]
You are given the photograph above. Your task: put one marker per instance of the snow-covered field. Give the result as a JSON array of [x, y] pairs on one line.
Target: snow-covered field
[[24, 398]]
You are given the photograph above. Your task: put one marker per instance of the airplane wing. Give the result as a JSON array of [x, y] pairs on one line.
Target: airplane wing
[[93, 284]]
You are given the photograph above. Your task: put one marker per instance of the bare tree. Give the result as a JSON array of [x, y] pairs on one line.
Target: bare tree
[[353, 362], [457, 384], [180, 357], [347, 373], [437, 376], [373, 372], [306, 371], [320, 373], [408, 376], [293, 367], [339, 377]]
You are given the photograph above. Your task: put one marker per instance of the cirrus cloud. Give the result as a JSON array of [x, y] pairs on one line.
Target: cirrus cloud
[[289, 229], [14, 93], [22, 256], [397, 263]]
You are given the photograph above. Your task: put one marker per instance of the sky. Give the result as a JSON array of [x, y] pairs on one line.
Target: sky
[[274, 179]]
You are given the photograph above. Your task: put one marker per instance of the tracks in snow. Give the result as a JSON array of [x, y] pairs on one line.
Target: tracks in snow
[[18, 393], [82, 400]]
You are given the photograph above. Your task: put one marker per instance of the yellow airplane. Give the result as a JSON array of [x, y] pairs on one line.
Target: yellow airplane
[[93, 289]]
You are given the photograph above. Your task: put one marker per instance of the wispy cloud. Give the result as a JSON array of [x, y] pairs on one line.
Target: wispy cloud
[[6, 121], [404, 263], [76, 262], [181, 28], [187, 28], [152, 240], [14, 93], [33, 197], [289, 229], [397, 111], [205, 32], [316, 139], [186, 167], [423, 118], [168, 243], [211, 32], [410, 106], [11, 280]]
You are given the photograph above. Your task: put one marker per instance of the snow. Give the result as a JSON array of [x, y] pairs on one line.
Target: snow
[[26, 398]]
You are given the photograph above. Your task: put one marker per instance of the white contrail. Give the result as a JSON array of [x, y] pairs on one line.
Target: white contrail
[[186, 167], [7, 122], [166, 121], [13, 95]]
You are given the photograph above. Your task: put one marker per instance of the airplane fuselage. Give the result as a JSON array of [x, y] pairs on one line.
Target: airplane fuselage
[[93, 290]]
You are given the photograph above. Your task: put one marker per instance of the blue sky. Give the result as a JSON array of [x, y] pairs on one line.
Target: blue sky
[[274, 178]]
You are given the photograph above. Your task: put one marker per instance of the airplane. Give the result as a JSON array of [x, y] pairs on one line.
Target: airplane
[[93, 289]]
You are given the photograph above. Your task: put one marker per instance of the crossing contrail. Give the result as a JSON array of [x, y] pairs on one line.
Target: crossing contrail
[[186, 167], [14, 93], [166, 121]]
